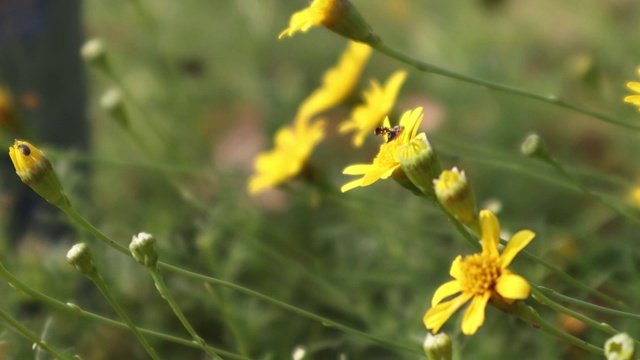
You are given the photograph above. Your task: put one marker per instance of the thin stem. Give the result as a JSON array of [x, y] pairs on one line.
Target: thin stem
[[587, 305], [530, 316], [104, 289], [325, 321], [426, 67], [164, 292], [31, 336], [75, 309]]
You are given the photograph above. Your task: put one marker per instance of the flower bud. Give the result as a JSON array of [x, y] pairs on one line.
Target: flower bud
[[438, 347], [95, 53], [420, 164], [111, 101], [80, 257], [454, 193], [35, 170], [620, 347], [533, 146], [143, 249]]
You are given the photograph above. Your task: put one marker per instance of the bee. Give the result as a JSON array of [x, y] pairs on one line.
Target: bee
[[391, 133]]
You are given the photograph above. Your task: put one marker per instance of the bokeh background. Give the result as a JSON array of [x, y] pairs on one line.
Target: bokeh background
[[208, 84]]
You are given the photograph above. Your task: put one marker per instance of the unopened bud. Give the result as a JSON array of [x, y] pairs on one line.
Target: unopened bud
[[620, 347], [533, 146], [94, 53], [80, 257], [438, 347], [454, 194], [35, 170], [111, 101], [143, 248]]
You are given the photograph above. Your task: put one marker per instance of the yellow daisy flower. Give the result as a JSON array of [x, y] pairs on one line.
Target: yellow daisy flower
[[387, 161], [479, 278], [635, 86], [378, 102], [293, 145], [336, 15], [337, 82]]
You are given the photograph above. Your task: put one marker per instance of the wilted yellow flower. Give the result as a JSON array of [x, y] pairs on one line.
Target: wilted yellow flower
[[387, 160], [378, 102], [293, 145], [338, 82], [35, 170], [339, 16], [635, 86], [480, 277]]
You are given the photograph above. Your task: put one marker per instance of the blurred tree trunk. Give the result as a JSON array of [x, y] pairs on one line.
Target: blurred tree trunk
[[41, 66]]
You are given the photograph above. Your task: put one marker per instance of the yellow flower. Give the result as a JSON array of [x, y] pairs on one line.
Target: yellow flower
[[378, 103], [635, 86], [293, 145], [338, 82], [480, 277], [387, 161], [35, 170], [339, 16]]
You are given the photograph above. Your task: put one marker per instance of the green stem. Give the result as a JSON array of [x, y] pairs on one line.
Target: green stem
[[530, 316], [588, 305], [325, 321], [75, 309], [426, 67], [164, 292], [104, 289], [31, 336]]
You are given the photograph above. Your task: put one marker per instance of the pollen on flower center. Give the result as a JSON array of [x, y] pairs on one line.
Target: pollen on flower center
[[480, 273]]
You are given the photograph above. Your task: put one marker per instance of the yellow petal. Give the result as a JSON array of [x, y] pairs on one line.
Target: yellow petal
[[517, 243], [358, 169], [512, 286], [474, 316], [445, 290], [351, 185], [438, 315], [635, 86], [455, 270], [490, 232]]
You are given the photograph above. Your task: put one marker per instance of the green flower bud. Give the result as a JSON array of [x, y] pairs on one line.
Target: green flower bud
[[533, 146], [143, 249], [620, 347], [438, 347], [111, 101], [80, 257]]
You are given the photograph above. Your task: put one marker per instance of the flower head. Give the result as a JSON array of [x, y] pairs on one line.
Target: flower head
[[454, 193], [339, 16], [480, 277], [35, 170], [378, 103], [635, 86], [293, 145], [338, 82], [387, 161], [620, 347]]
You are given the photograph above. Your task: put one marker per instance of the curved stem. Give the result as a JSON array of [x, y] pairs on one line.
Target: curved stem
[[162, 288], [426, 67], [529, 315], [325, 321], [587, 305], [104, 289], [31, 336], [75, 309]]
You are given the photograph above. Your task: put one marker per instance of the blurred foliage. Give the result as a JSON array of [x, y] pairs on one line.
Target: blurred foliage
[[212, 83]]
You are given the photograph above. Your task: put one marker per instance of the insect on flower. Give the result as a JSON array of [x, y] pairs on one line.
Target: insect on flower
[[391, 133]]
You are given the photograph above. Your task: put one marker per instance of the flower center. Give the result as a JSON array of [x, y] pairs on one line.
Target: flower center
[[480, 273]]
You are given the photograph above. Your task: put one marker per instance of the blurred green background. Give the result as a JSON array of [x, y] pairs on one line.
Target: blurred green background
[[210, 83]]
